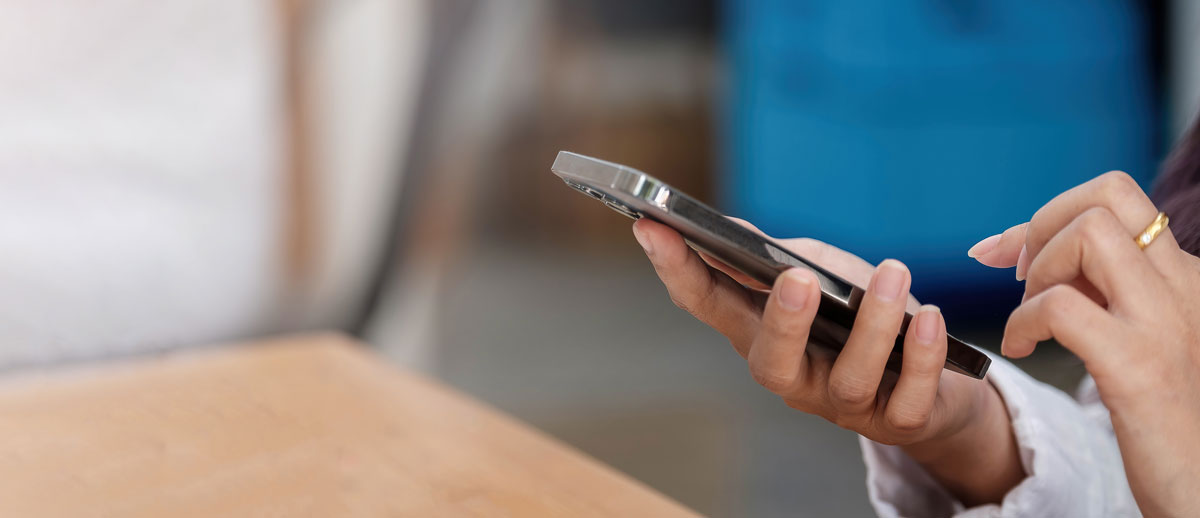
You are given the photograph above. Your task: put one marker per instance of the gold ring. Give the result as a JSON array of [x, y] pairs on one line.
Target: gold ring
[[1152, 231]]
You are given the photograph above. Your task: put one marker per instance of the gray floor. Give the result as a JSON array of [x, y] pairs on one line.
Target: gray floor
[[588, 348]]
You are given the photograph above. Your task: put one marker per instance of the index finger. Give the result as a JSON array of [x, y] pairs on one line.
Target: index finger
[[1115, 191], [842, 263], [837, 261], [710, 296], [1001, 250]]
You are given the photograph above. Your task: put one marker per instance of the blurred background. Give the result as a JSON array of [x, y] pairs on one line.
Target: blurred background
[[182, 173]]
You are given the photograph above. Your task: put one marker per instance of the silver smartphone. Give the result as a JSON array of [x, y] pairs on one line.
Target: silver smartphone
[[639, 195]]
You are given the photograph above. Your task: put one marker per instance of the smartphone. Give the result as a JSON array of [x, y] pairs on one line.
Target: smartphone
[[639, 195]]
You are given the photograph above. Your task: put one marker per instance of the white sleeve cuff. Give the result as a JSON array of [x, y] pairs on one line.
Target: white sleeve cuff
[[1073, 463]]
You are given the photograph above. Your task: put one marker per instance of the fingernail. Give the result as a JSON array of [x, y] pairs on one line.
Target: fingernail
[[793, 294], [1022, 265], [983, 247], [927, 323], [1003, 348], [643, 240], [889, 280]]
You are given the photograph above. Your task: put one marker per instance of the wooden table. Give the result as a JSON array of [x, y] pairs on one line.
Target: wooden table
[[303, 426]]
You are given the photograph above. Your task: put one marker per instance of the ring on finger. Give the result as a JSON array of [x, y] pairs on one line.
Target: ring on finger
[[1152, 231]]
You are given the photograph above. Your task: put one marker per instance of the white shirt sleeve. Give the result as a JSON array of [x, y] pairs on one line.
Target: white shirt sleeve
[[1067, 448]]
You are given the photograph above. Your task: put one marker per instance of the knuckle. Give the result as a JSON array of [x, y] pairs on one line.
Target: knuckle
[[682, 301], [810, 248], [1057, 303], [1089, 230], [906, 419], [1095, 222], [926, 367], [1118, 179], [800, 404], [808, 243], [846, 392], [1117, 185], [691, 301], [846, 421], [772, 380]]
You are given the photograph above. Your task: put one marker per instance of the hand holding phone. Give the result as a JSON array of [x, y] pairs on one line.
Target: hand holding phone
[[951, 424], [782, 304], [636, 195]]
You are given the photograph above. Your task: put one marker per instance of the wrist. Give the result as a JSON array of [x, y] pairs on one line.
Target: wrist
[[969, 432], [978, 462]]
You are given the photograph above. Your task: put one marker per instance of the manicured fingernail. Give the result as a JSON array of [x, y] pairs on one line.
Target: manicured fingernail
[[927, 323], [983, 247], [1022, 265], [643, 240], [793, 294], [889, 280]]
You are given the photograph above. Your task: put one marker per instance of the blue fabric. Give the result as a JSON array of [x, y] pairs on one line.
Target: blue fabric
[[914, 128]]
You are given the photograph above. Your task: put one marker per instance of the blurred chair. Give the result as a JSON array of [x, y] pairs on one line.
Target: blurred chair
[[482, 59], [188, 172]]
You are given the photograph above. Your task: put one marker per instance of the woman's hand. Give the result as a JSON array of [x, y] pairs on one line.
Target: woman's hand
[[1132, 315], [955, 426]]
